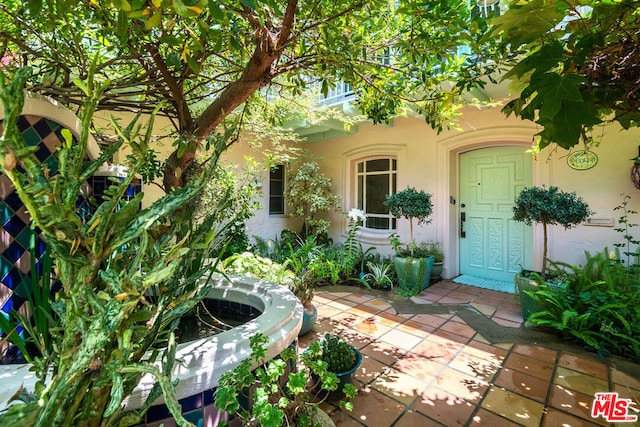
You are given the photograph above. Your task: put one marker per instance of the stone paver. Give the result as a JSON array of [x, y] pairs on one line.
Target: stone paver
[[456, 355]]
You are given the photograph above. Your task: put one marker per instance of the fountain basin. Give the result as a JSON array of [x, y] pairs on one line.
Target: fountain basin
[[200, 363]]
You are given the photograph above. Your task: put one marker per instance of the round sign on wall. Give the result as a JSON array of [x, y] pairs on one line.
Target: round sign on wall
[[582, 160]]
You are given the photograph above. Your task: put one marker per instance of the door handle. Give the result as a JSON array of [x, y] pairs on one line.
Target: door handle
[[463, 218]]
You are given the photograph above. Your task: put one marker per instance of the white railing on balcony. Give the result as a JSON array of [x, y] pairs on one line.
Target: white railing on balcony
[[486, 8], [340, 93], [343, 91]]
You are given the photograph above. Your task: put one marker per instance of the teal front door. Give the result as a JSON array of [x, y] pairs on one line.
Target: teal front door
[[492, 245]]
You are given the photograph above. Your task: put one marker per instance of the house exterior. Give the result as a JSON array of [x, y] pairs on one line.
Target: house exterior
[[474, 173]]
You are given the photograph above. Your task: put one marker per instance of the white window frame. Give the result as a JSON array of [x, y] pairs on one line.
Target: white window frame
[[350, 158], [361, 174]]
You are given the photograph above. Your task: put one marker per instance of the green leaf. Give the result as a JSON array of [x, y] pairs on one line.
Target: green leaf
[[35, 7], [180, 8], [271, 416], [154, 21], [297, 382], [122, 24], [125, 5], [249, 3], [194, 66], [557, 91], [527, 21], [117, 392], [216, 10], [547, 58]]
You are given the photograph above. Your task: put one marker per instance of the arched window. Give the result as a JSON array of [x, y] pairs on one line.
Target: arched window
[[375, 179]]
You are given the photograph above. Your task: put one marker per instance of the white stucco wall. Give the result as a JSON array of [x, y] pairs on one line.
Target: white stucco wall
[[429, 161]]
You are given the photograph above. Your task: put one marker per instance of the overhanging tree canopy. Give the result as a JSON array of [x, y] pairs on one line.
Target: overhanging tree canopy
[[201, 60], [578, 62]]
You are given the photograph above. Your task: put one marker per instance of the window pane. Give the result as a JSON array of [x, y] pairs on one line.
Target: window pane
[[374, 180], [377, 190], [378, 165], [378, 223]]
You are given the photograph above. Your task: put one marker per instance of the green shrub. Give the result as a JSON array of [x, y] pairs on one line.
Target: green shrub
[[281, 392], [599, 306], [309, 196]]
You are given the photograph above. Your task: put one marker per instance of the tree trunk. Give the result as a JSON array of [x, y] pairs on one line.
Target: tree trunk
[[270, 43]]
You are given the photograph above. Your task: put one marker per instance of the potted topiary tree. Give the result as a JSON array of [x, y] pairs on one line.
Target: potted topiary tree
[[413, 264], [546, 206]]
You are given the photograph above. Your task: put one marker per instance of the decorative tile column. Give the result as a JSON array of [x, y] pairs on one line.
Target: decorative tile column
[[15, 233], [102, 179]]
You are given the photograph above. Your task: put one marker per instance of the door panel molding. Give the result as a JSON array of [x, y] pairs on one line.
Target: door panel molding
[[489, 180]]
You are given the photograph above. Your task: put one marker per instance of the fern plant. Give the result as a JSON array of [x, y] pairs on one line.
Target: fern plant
[[599, 307]]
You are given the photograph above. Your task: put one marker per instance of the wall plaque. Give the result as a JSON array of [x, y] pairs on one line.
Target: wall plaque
[[582, 160]]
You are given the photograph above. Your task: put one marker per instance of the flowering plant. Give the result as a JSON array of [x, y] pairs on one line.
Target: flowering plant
[[357, 216]]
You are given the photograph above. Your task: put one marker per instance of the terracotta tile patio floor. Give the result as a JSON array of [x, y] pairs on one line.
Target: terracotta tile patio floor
[[456, 355]]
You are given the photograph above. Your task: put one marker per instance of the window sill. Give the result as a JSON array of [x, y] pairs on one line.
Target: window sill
[[373, 236]]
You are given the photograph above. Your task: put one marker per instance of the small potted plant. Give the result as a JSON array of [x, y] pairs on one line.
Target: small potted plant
[[303, 287], [342, 359], [435, 248], [278, 390], [546, 206], [413, 264]]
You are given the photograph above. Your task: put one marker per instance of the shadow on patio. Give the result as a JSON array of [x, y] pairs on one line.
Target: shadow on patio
[[459, 355]]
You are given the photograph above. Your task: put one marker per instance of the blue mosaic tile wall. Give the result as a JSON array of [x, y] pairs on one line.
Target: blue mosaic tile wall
[[15, 233]]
